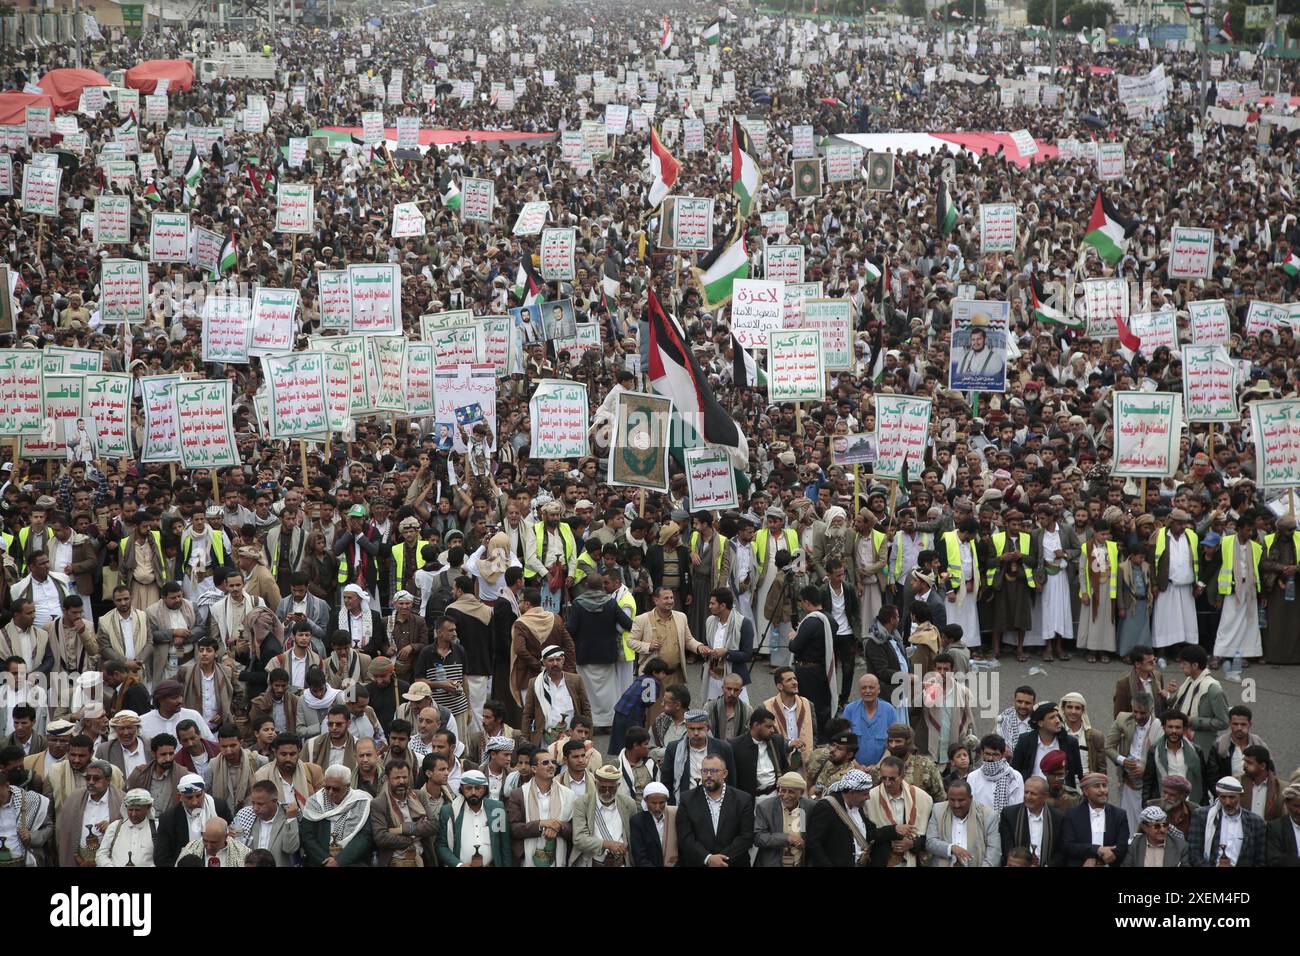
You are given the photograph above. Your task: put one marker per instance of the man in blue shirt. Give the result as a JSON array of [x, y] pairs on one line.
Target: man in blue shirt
[[870, 717], [631, 708]]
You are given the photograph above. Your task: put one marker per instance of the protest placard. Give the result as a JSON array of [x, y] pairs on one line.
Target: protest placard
[[832, 318], [557, 415], [6, 175], [465, 395], [795, 295], [274, 311], [41, 190], [419, 379], [1275, 430], [162, 426], [107, 400], [710, 481], [1209, 322], [1147, 428], [454, 346], [62, 401], [296, 385], [557, 253], [842, 163], [335, 299], [295, 208], [112, 219], [1110, 161], [902, 433], [783, 263], [802, 142], [360, 378], [1155, 329], [692, 223], [1024, 142], [1266, 317], [1209, 384], [227, 329], [169, 237], [997, 227], [372, 127], [67, 361], [532, 217], [795, 370], [457, 318], [203, 409], [408, 132], [757, 309], [38, 121], [638, 454], [1105, 302], [387, 356], [494, 341], [408, 220], [124, 291], [477, 199], [376, 293], [978, 356], [205, 249], [1191, 253]]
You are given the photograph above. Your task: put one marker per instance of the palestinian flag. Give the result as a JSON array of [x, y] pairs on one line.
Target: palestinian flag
[[725, 263], [1292, 265], [1108, 233], [665, 35], [1129, 344], [1047, 313], [663, 167], [451, 198], [873, 274], [528, 287], [745, 372], [945, 211], [610, 282], [744, 168], [129, 125], [675, 374], [229, 260], [193, 173], [151, 193], [713, 32]]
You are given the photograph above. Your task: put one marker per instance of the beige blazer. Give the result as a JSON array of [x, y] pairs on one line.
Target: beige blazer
[[639, 639]]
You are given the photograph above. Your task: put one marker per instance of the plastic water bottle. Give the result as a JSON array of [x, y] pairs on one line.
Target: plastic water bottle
[[1289, 595]]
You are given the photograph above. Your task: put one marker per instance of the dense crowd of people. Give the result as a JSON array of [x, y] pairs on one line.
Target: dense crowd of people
[[376, 650]]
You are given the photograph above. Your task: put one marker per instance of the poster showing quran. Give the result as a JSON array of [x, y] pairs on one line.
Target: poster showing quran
[[638, 454]]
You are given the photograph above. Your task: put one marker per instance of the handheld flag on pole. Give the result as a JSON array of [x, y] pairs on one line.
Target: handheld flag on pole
[[1108, 232], [744, 168], [663, 167], [718, 271]]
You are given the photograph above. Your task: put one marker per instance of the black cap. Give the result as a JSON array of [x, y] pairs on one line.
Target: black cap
[[846, 737]]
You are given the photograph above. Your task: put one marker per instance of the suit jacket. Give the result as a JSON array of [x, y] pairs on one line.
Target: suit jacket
[[174, 832], [829, 840], [42, 651], [111, 646], [769, 828], [938, 835], [1253, 839], [141, 776], [668, 767], [1273, 806], [1280, 843], [639, 637], [1069, 544], [1022, 758], [1013, 832], [718, 716], [534, 722], [696, 838], [1076, 834], [1119, 740], [1127, 687], [318, 615], [219, 782], [850, 607], [111, 750], [449, 832], [77, 651], [68, 829], [1175, 851], [192, 696], [1157, 769], [284, 842], [587, 841], [646, 848], [744, 753], [318, 750], [934, 601], [262, 706], [423, 828], [81, 571], [307, 779]]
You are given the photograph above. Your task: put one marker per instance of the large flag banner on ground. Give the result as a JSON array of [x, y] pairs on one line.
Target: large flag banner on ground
[[376, 293], [297, 393], [1209, 321], [1147, 429], [757, 310], [1275, 431], [674, 373], [795, 371], [902, 433], [207, 432], [979, 345], [162, 426], [557, 415], [710, 481], [227, 329], [1209, 384], [638, 454]]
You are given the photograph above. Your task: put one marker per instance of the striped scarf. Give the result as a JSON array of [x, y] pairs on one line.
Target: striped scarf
[[1001, 773]]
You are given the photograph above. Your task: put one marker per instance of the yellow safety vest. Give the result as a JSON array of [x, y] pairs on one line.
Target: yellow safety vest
[[218, 552], [953, 545], [927, 542], [586, 564], [1112, 554], [628, 603], [122, 545], [720, 545], [1191, 539], [760, 545], [343, 570], [1268, 541], [566, 538], [1000, 545], [399, 582], [1226, 549], [9, 541]]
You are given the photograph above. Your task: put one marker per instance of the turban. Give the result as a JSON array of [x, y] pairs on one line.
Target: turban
[[609, 772], [1090, 778], [1175, 782], [496, 558], [60, 728], [1229, 785], [213, 512], [794, 781], [473, 778], [853, 780], [139, 797], [552, 509], [835, 512], [380, 665], [253, 554], [190, 783], [124, 717], [168, 688], [1052, 762], [360, 592], [502, 744], [1153, 815], [697, 717], [652, 789], [774, 512], [1292, 792], [409, 522], [551, 650], [403, 596], [919, 575], [1178, 514]]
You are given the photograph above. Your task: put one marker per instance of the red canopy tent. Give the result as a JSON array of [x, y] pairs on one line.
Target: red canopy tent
[[13, 106], [145, 76], [64, 86]]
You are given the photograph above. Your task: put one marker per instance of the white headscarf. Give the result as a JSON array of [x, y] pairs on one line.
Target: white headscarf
[[345, 617]]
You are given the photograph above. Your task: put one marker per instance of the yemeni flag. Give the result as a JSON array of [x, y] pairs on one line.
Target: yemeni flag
[[193, 173], [663, 167], [744, 168], [675, 374], [1292, 265], [665, 35], [725, 263], [1108, 232], [229, 260], [1045, 312], [945, 211], [745, 372], [713, 32], [528, 287], [259, 185], [1129, 344], [451, 198], [1225, 32], [151, 193]]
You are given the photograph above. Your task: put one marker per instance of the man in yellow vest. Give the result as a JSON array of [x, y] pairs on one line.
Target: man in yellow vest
[[1177, 568], [407, 557], [1011, 576], [770, 541], [1282, 563], [558, 554], [1238, 597], [625, 666], [1098, 587], [710, 567]]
